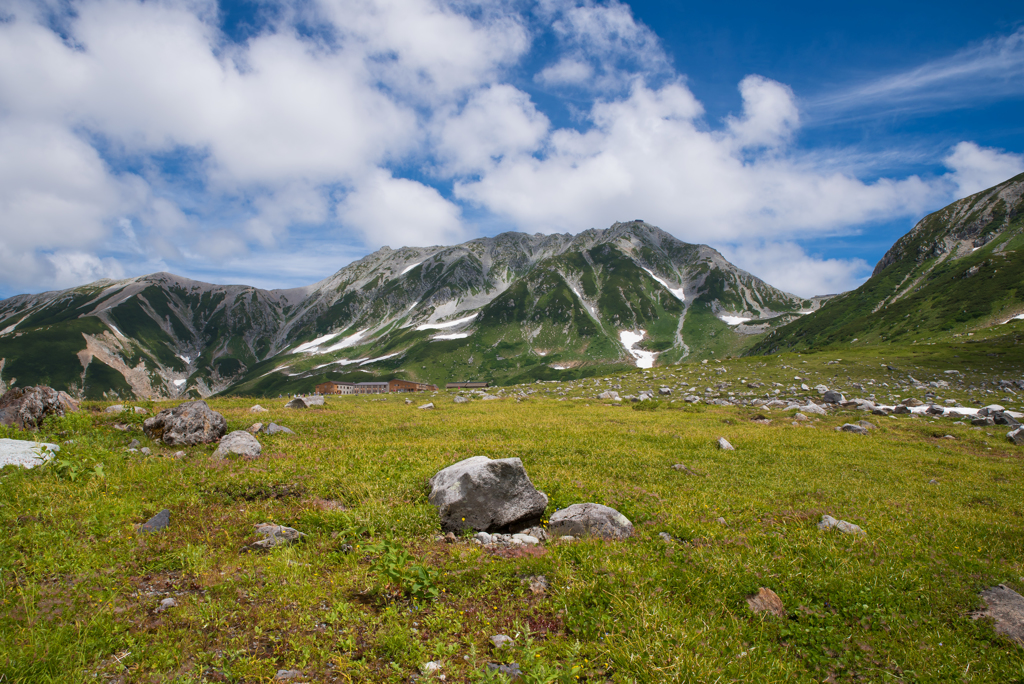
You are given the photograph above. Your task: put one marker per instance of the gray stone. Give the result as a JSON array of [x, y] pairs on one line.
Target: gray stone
[[24, 453], [721, 521], [461, 400], [821, 389], [482, 537], [867, 425], [179, 454], [591, 519], [665, 537], [799, 416], [1016, 436], [274, 429], [408, 401], [832, 397], [158, 522], [855, 429], [146, 451], [116, 408], [538, 532], [275, 535], [257, 409], [429, 405], [187, 424], [724, 445], [26, 408], [608, 394], [512, 670], [166, 604], [933, 481], [486, 495], [134, 444], [525, 539], [813, 409], [983, 421], [254, 428], [912, 402], [238, 442], [1006, 607], [432, 666], [664, 391], [287, 675], [296, 403], [489, 397], [902, 410], [315, 400], [500, 641], [830, 523]]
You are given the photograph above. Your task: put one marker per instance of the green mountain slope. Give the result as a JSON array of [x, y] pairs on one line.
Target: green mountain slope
[[959, 270]]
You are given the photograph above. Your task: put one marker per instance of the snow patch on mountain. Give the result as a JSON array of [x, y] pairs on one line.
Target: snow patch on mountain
[[629, 339], [448, 324], [676, 292]]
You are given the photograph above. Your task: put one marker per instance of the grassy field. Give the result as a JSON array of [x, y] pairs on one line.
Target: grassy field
[[79, 587]]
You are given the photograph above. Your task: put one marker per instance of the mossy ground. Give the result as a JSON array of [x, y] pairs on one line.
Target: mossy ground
[[79, 587]]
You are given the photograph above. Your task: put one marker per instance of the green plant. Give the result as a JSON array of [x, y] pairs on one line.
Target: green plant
[[401, 570], [68, 469], [647, 405]]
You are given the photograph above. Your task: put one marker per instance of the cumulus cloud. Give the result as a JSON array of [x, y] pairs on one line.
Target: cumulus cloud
[[788, 267], [769, 116], [976, 168]]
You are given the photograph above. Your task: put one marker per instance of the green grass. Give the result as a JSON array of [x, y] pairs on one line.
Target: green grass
[[79, 588]]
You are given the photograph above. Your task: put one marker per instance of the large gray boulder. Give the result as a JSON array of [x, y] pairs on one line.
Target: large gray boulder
[[486, 495], [239, 443], [590, 519], [25, 454], [1006, 607], [187, 424], [27, 407]]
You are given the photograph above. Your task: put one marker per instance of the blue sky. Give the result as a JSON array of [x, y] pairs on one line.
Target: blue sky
[[273, 142]]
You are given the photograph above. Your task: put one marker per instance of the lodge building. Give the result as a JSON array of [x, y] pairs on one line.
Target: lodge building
[[387, 387]]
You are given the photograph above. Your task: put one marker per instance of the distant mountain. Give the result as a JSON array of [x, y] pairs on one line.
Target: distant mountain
[[957, 270], [500, 309]]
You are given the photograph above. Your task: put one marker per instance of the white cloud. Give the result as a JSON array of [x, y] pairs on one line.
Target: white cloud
[[977, 168], [788, 267], [769, 113], [400, 212], [567, 71]]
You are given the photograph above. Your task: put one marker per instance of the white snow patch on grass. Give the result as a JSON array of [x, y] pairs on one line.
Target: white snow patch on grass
[[379, 358], [186, 359], [179, 383], [733, 320], [450, 336], [676, 292], [349, 341], [1015, 318], [448, 324], [629, 339], [312, 345]]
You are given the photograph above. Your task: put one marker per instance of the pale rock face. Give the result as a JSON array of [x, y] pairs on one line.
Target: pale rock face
[[24, 453], [590, 519], [487, 495], [239, 443]]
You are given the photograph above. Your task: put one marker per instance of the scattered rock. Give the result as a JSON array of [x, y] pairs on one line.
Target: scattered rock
[[482, 537], [814, 409], [525, 539], [315, 400], [426, 406], [26, 408], [983, 421], [487, 495], [724, 445], [489, 397], [608, 394], [855, 429], [166, 604], [24, 453], [146, 451], [257, 409], [187, 424], [296, 403], [238, 442], [867, 425], [766, 601], [116, 408], [275, 535], [801, 417], [179, 454], [1006, 607], [408, 401], [158, 522], [664, 391], [538, 583], [911, 402], [254, 428], [287, 675], [902, 410], [933, 481], [537, 532], [832, 397], [590, 519], [461, 400], [720, 521], [511, 670], [134, 444], [830, 523], [1016, 436], [665, 537], [274, 429], [500, 641]]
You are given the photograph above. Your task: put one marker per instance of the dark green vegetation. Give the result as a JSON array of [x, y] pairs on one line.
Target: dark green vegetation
[[959, 270], [495, 309], [79, 587]]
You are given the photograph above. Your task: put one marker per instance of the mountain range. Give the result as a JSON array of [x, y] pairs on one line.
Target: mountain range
[[500, 309]]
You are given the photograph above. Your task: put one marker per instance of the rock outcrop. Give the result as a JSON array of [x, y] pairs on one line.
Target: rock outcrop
[[486, 495], [187, 424]]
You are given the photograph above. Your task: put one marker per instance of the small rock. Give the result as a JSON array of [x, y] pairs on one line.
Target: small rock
[[566, 538], [166, 604], [867, 425], [983, 421], [538, 583], [766, 601], [933, 481], [855, 429], [608, 394], [720, 521], [296, 403], [275, 535], [408, 401], [287, 675], [590, 519], [902, 410], [682, 468], [664, 391], [158, 522], [724, 445], [665, 537], [1016, 436], [257, 409], [274, 429], [525, 539], [911, 402], [830, 523], [814, 409], [482, 537], [134, 444], [238, 442], [450, 538], [832, 397], [254, 428], [179, 454], [146, 451], [426, 406], [500, 641], [432, 666], [799, 416], [116, 408], [461, 400], [538, 532]]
